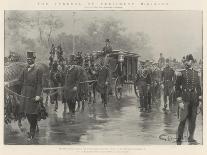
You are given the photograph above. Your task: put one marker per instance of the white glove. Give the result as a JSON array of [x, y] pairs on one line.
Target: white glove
[[75, 88], [181, 105], [93, 72], [200, 98], [106, 83], [37, 98]]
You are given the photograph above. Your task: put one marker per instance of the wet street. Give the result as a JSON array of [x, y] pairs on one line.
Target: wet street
[[120, 123]]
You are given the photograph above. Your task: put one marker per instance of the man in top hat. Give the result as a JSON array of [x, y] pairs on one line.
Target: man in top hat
[[189, 94], [72, 80], [103, 81], [168, 77], [107, 48], [31, 82]]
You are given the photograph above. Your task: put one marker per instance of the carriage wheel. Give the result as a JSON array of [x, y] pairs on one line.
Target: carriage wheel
[[118, 88], [136, 90]]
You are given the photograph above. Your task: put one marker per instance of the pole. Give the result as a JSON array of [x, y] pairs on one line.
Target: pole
[[73, 33]]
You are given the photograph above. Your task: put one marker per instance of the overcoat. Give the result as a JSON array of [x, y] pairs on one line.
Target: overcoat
[[31, 82]]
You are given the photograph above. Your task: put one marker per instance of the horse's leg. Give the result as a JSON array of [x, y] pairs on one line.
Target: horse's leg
[[83, 105], [46, 100], [94, 94]]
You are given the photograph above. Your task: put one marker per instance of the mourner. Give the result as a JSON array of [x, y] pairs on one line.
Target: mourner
[[144, 83], [168, 76], [72, 79], [31, 82], [103, 81], [156, 81], [107, 48], [189, 93]]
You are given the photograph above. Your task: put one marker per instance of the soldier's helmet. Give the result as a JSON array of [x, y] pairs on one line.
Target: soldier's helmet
[[190, 57], [31, 55]]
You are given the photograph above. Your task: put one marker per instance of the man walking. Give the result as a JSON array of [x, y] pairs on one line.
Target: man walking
[[168, 82], [189, 93], [31, 82]]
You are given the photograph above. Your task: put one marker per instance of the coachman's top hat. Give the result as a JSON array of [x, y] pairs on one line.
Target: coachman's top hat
[[107, 41], [31, 55]]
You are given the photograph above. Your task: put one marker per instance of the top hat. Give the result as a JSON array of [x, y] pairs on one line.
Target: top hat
[[31, 55], [107, 40]]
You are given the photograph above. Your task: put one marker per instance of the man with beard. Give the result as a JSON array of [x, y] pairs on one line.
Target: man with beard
[[103, 81], [31, 82], [72, 80], [189, 93]]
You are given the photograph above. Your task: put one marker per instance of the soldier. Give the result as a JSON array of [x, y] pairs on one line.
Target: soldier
[[108, 48], [31, 82], [103, 81], [168, 76], [156, 80], [72, 79], [161, 61], [189, 93], [143, 81]]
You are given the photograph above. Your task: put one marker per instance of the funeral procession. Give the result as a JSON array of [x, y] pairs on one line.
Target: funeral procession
[[103, 78]]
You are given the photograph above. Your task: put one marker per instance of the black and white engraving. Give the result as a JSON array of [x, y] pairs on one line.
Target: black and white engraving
[[103, 78]]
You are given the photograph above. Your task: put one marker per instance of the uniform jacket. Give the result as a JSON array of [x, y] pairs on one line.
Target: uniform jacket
[[168, 74], [188, 86], [146, 78], [31, 82]]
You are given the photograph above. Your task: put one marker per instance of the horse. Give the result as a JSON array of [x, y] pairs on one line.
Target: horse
[[56, 76]]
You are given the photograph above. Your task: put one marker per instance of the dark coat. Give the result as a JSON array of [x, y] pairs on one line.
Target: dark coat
[[168, 77], [72, 79], [31, 82], [103, 77]]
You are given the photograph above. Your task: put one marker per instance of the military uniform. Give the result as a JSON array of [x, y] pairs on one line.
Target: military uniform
[[168, 81], [188, 87], [31, 82], [143, 82], [156, 79]]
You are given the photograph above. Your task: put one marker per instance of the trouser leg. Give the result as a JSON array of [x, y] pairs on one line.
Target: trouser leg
[[181, 128], [32, 119], [192, 121], [71, 105]]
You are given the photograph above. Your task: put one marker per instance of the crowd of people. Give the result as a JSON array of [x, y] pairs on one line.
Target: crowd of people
[[82, 75]]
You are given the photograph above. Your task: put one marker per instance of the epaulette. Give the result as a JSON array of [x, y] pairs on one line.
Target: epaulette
[[178, 72]]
